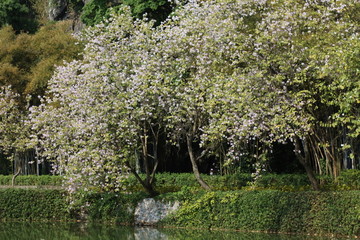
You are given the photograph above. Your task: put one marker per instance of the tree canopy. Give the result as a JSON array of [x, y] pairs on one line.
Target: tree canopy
[[217, 76], [18, 14], [27, 61]]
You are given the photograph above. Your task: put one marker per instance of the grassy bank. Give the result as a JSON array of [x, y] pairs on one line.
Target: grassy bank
[[267, 210]]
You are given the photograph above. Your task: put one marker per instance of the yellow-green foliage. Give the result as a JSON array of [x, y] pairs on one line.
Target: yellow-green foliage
[[53, 44], [27, 61], [41, 10]]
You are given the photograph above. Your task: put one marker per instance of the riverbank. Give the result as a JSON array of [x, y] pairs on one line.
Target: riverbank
[[323, 213], [307, 212]]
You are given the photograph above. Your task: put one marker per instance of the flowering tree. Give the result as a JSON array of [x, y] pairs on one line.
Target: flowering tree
[[217, 75], [200, 50], [304, 48], [266, 71], [101, 110]]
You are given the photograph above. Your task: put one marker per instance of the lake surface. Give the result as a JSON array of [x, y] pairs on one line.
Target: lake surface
[[89, 231]]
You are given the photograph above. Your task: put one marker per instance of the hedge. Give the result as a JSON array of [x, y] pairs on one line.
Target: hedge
[[271, 211], [172, 182], [110, 207], [34, 204], [348, 180], [267, 210], [46, 205], [287, 182], [33, 180]]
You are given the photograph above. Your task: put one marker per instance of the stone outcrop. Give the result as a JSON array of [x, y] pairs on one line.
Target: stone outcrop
[[57, 9], [149, 211]]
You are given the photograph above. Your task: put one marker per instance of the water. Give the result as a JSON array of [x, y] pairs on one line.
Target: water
[[78, 231]]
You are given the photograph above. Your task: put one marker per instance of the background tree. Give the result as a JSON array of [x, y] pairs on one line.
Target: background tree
[[28, 61], [96, 11], [26, 64], [18, 14], [14, 130]]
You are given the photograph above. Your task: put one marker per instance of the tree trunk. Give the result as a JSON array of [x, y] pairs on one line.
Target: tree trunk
[[15, 175], [148, 183], [189, 140], [144, 143], [156, 159], [147, 186], [18, 166], [304, 160]]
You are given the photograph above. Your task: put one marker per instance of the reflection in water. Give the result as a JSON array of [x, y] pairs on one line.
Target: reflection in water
[[149, 233], [91, 231]]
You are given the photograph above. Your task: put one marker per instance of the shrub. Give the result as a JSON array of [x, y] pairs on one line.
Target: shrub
[[108, 207], [350, 179], [283, 181], [32, 180], [172, 182], [35, 204], [43, 205], [272, 211], [268, 210]]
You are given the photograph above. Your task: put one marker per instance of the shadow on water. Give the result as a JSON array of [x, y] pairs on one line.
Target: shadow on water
[[90, 231]]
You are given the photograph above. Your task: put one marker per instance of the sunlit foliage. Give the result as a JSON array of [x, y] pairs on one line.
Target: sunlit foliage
[[28, 61], [217, 75], [13, 127]]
